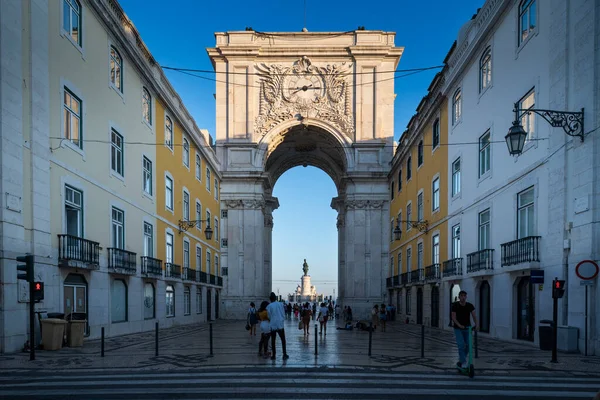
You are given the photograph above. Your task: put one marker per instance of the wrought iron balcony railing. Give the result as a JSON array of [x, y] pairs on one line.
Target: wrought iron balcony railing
[[203, 277], [212, 279], [189, 274], [404, 278], [172, 270], [122, 261], [396, 280], [219, 281], [74, 248], [480, 260], [151, 266], [452, 267], [432, 272], [521, 251], [388, 282], [416, 275]]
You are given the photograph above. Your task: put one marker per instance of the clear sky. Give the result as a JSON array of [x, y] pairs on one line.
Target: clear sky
[[178, 32]]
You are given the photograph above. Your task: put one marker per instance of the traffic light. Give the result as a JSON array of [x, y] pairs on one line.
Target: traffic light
[[27, 268], [38, 291], [558, 288]]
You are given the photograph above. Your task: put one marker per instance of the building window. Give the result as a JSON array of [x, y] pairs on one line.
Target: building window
[[435, 135], [148, 240], [456, 241], [169, 253], [198, 168], [435, 188], [217, 238], [186, 254], [207, 218], [420, 255], [186, 301], [456, 177], [170, 301], [169, 132], [392, 230], [208, 270], [456, 106], [528, 118], [198, 300], [391, 269], [392, 189], [208, 179], [169, 193], [149, 301], [400, 180], [408, 302], [485, 70], [527, 19], [408, 169], [118, 301], [435, 251], [147, 175], [147, 106], [186, 206], [198, 258], [116, 153], [216, 189], [118, 228], [484, 229], [186, 153], [73, 211], [420, 154], [72, 20], [420, 207], [116, 69], [484, 154], [399, 262], [525, 213], [408, 216], [216, 264], [408, 259], [198, 215], [72, 128]]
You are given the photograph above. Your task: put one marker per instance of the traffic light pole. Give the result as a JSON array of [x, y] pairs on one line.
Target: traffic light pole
[[554, 328], [31, 323]]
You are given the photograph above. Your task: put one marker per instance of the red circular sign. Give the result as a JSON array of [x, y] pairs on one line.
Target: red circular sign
[[587, 270]]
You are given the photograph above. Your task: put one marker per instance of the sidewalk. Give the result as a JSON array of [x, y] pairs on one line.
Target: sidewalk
[[397, 349]]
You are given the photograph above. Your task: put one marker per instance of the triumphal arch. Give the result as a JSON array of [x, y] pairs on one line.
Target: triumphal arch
[[288, 99]]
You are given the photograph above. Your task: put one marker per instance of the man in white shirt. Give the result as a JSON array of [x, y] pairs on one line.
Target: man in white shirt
[[276, 315]]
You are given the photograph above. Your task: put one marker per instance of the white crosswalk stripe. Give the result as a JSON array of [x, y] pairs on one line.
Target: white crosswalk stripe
[[290, 383]]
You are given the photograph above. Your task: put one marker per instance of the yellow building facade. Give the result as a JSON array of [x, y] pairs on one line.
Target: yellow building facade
[[419, 211]]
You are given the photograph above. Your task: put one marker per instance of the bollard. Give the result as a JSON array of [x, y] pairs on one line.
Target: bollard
[[370, 336], [422, 341], [211, 338], [156, 340], [316, 340], [475, 344], [102, 342]]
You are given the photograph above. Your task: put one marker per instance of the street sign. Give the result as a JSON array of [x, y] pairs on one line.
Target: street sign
[[587, 270], [586, 283], [536, 276]]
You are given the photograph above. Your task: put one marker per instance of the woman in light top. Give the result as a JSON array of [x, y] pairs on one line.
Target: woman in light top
[[323, 316], [265, 330]]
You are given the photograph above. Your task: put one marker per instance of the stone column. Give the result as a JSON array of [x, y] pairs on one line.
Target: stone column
[[271, 204]]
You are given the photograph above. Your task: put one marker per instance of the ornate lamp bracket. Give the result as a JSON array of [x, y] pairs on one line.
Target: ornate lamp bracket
[[184, 225], [571, 122]]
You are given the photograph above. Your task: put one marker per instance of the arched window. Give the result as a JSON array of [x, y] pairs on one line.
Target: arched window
[[149, 301], [198, 299], [408, 168], [186, 301], [186, 153], [169, 132], [484, 307], [72, 19], [147, 106], [456, 106], [420, 154], [118, 301], [435, 139], [527, 19], [485, 70], [170, 301], [408, 303], [116, 69]]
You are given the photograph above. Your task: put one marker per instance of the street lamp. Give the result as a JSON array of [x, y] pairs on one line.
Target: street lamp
[[422, 226], [184, 225], [571, 122]]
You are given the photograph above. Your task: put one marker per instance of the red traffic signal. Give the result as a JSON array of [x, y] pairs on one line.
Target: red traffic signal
[[558, 288], [38, 291]]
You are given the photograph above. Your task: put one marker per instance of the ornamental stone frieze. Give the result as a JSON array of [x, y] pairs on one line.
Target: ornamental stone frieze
[[364, 204], [268, 221], [244, 204], [322, 92]]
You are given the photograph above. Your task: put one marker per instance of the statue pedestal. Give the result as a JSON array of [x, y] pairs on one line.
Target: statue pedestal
[[306, 289]]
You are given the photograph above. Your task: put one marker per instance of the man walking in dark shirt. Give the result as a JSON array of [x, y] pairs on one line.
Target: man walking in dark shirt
[[461, 317]]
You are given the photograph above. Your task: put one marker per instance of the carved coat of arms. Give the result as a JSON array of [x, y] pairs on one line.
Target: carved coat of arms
[[305, 89]]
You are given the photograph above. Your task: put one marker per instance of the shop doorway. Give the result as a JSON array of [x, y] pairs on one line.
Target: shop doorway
[[420, 306], [454, 291], [435, 306], [216, 304], [484, 307], [525, 310], [75, 297], [208, 305]]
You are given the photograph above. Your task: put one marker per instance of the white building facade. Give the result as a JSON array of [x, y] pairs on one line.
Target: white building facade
[[511, 215]]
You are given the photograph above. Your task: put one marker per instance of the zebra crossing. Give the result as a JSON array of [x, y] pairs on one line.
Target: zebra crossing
[[288, 383]]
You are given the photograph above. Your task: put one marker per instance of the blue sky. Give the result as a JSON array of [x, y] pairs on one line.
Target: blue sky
[[178, 35]]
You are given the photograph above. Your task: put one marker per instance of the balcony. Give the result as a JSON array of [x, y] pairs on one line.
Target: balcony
[[172, 271], [432, 272], [404, 278], [388, 282], [189, 274], [220, 281], [482, 260], [203, 277], [212, 279], [521, 253], [416, 276], [151, 267], [77, 252], [452, 267], [121, 261], [396, 282]]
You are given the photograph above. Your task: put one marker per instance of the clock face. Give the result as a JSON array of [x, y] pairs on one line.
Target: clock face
[[305, 88]]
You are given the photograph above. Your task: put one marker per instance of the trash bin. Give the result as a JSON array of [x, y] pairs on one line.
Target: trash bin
[[76, 329], [53, 331], [56, 315], [545, 335]]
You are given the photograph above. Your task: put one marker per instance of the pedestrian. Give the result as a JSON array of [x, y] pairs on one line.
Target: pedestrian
[[252, 319], [375, 316], [323, 316], [382, 316], [306, 314], [462, 311], [337, 311], [276, 316], [265, 330]]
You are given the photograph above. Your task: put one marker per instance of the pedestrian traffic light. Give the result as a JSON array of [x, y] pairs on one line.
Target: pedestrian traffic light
[[558, 288], [38, 291], [27, 268]]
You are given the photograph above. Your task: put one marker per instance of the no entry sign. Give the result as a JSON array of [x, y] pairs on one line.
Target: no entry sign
[[587, 270]]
